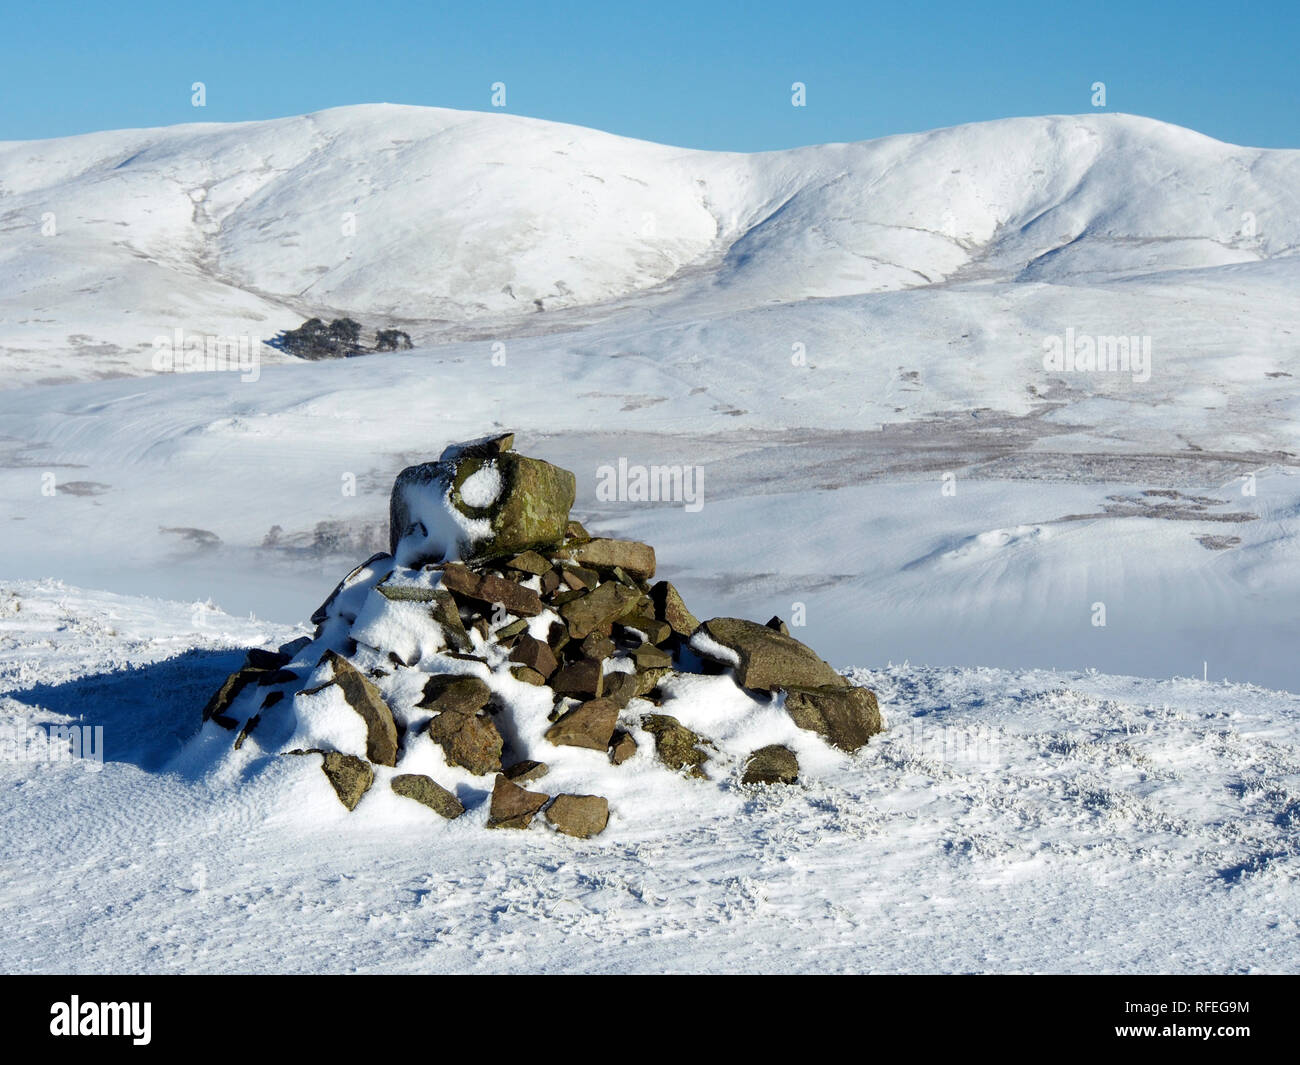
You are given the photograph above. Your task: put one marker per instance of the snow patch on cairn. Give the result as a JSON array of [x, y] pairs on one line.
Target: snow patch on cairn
[[499, 640]]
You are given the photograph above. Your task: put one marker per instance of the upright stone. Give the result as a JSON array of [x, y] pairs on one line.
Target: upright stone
[[364, 698], [479, 500], [670, 608], [349, 776]]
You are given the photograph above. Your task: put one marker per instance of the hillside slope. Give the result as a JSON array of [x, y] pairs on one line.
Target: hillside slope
[[463, 223]]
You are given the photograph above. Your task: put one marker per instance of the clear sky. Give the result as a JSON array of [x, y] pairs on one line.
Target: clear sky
[[695, 74]]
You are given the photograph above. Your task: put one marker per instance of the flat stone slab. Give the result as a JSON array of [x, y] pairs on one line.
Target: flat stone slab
[[429, 792], [456, 693], [764, 659], [631, 556], [485, 588]]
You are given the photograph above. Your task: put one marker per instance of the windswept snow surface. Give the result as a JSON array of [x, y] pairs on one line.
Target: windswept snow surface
[[1005, 821]]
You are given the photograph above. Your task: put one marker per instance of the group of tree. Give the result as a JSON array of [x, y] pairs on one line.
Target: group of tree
[[340, 339]]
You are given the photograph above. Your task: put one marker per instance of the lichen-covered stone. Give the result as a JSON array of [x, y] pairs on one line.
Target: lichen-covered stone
[[846, 716], [584, 677], [648, 656], [676, 745], [631, 556], [535, 654], [653, 629], [508, 632], [454, 692], [429, 792], [598, 647], [647, 680], [774, 764], [349, 775], [669, 608], [620, 688], [598, 608], [621, 747], [527, 675], [530, 562], [468, 740], [489, 590], [523, 772], [446, 613], [530, 512], [578, 578]]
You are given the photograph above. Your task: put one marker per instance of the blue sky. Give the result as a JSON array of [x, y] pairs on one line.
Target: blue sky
[[695, 74]]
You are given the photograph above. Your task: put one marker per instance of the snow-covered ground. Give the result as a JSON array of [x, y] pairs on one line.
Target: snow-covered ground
[[848, 341], [1006, 820]]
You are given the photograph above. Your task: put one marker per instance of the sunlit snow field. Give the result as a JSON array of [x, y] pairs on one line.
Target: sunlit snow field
[[848, 341]]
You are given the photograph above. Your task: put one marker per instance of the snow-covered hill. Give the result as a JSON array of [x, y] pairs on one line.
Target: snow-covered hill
[[464, 224]]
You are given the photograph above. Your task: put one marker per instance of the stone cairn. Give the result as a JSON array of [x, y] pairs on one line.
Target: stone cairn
[[487, 576]]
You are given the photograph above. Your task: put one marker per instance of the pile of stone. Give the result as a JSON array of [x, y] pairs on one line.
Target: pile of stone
[[491, 596]]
